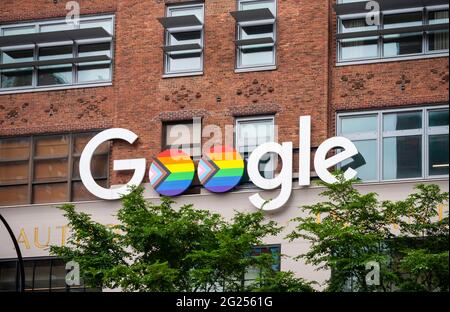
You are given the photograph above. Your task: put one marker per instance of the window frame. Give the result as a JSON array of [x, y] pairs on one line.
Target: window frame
[[425, 132], [75, 45], [71, 158], [380, 58], [192, 145], [263, 67], [33, 261], [196, 72], [274, 136]]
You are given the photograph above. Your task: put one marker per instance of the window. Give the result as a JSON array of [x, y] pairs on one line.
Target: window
[[183, 48], [185, 135], [403, 32], [256, 34], [44, 169], [400, 144], [251, 133], [254, 273], [54, 54], [41, 275]]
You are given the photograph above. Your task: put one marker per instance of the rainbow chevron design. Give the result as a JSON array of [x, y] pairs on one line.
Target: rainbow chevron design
[[171, 172], [221, 169]]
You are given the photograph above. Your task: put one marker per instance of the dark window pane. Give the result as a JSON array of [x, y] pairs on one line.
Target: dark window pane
[[14, 149], [17, 56], [402, 121], [438, 118], [99, 167], [402, 44], [18, 77], [50, 193], [80, 193], [47, 170], [94, 49], [58, 275], [355, 25], [438, 17], [257, 31], [55, 75], [13, 172], [402, 157], [8, 276], [365, 163], [42, 275], [403, 20], [28, 267], [438, 154], [13, 195], [438, 40], [13, 78], [56, 53], [58, 74], [52, 146], [185, 37]]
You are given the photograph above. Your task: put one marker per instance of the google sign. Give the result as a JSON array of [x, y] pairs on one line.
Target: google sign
[[221, 168]]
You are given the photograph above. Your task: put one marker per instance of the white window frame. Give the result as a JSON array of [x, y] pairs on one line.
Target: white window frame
[[74, 85], [167, 32], [274, 134], [261, 67], [380, 58], [425, 132]]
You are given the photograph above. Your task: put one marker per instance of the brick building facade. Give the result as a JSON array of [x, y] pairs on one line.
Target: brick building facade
[[307, 79]]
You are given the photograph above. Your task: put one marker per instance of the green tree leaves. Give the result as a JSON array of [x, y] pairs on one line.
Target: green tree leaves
[[356, 229]]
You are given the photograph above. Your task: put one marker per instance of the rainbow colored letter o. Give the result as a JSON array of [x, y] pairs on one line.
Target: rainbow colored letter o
[[221, 169], [172, 172]]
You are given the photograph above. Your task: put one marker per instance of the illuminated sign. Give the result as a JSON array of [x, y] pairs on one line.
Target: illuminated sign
[[221, 169], [172, 172]]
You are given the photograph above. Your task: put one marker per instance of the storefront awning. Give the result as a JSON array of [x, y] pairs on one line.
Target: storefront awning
[[54, 36], [360, 7], [252, 15], [87, 59]]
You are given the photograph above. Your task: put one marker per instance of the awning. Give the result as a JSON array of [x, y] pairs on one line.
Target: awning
[[54, 36], [360, 7], [392, 31], [87, 59], [180, 21], [246, 42], [252, 15], [182, 47]]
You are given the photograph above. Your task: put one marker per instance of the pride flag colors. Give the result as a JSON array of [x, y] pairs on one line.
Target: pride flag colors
[[221, 169], [172, 172]]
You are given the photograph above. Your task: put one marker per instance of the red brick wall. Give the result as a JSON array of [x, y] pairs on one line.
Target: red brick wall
[[381, 85], [140, 99]]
